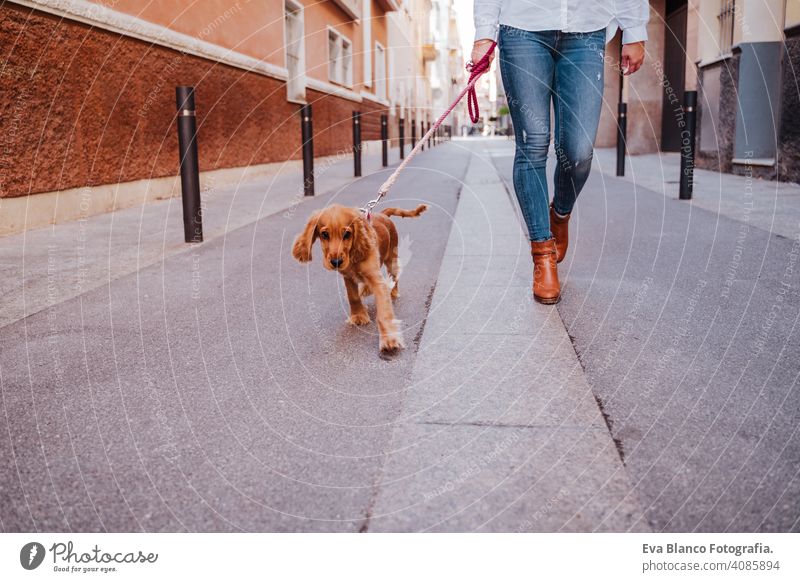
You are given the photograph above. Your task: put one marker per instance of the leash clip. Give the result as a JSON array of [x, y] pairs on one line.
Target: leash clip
[[367, 209]]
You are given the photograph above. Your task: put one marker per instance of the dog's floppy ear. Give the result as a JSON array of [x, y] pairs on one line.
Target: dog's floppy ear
[[302, 244], [363, 240]]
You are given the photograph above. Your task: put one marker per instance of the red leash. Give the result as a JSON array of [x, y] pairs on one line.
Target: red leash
[[475, 71]]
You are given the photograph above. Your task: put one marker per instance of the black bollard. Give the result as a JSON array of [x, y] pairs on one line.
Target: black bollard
[[190, 168], [356, 143], [687, 145], [429, 137], [413, 133], [422, 135], [384, 141], [307, 135], [402, 137], [622, 131]]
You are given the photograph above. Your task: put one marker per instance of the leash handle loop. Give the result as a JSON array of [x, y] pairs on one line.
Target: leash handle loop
[[475, 71]]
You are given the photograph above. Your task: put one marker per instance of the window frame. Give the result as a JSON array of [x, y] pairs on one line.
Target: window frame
[[344, 61], [366, 23], [726, 17], [299, 84], [381, 83]]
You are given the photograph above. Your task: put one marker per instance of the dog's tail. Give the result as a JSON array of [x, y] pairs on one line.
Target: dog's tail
[[405, 213]]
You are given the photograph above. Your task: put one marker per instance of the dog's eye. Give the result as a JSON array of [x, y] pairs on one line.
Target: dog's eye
[[324, 235], [346, 235]]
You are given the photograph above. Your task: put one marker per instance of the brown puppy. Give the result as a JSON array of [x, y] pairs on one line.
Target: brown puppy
[[357, 249]]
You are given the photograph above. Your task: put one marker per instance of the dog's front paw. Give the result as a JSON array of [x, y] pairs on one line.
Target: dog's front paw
[[392, 341], [390, 346], [358, 319]]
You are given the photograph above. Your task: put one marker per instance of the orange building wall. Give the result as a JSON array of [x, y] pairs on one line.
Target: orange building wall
[[255, 28], [251, 27]]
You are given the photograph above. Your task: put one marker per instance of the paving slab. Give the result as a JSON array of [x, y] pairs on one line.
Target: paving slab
[[465, 478]]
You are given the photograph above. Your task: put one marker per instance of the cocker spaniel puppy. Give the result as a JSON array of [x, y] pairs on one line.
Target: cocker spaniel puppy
[[357, 248]]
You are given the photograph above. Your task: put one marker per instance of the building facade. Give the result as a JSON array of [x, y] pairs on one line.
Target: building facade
[[87, 87], [410, 35], [446, 68], [742, 57]]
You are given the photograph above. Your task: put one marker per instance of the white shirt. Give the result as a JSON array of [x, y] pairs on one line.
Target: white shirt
[[564, 15]]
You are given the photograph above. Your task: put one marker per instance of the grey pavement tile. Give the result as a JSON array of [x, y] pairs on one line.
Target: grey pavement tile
[[489, 271], [494, 379], [505, 479], [486, 243], [489, 309]]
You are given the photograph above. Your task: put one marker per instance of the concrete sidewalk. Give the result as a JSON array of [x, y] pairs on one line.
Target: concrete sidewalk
[[499, 430], [43, 267], [765, 204]]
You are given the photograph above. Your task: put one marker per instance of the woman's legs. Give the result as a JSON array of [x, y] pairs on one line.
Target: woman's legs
[[527, 65], [567, 68], [577, 99]]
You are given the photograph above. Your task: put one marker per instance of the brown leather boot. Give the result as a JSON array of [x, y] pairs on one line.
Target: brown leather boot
[[560, 229], [545, 272]]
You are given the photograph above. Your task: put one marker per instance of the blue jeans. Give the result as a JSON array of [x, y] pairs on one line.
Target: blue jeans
[[567, 69]]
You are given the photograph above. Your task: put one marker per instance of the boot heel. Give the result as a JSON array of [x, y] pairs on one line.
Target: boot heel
[[546, 288], [560, 228]]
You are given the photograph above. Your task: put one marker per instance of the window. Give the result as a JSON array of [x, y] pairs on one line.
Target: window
[[347, 63], [726, 17], [334, 55], [380, 71], [340, 58], [295, 51], [366, 25]]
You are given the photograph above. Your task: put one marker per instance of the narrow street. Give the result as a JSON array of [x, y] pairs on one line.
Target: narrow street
[[220, 389]]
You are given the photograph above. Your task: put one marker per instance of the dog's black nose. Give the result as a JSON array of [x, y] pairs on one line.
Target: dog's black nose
[[336, 263]]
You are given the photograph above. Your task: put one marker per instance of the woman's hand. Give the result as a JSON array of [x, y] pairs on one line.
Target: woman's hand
[[479, 49], [632, 57]]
